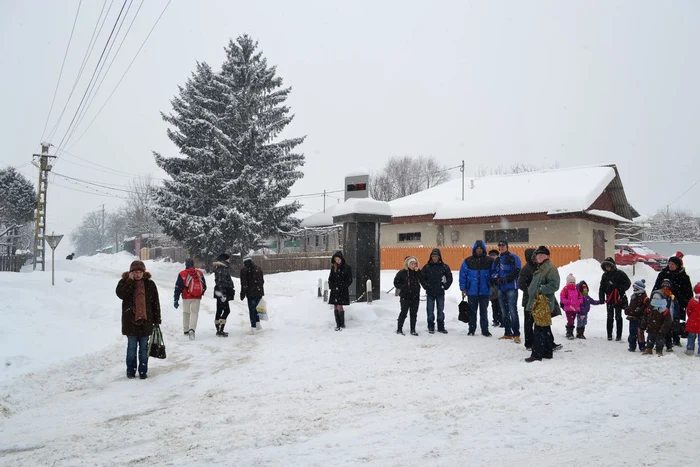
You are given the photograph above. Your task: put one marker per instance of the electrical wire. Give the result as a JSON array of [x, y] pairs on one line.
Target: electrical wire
[[60, 73], [122, 77]]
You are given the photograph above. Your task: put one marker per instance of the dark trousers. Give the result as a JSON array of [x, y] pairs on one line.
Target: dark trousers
[[222, 311], [480, 302], [633, 338], [133, 343], [542, 342], [253, 312], [672, 336], [530, 329], [406, 306], [655, 338], [496, 310], [614, 311]]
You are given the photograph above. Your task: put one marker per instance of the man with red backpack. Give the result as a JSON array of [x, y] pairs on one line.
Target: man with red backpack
[[191, 285]]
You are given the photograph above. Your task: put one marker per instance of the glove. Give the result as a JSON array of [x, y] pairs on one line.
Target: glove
[[176, 304], [444, 280], [242, 296]]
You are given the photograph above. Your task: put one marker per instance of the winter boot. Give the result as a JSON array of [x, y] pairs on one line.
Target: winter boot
[[648, 351], [399, 325], [570, 332], [337, 320], [689, 352], [660, 352], [341, 313], [413, 325], [580, 331], [218, 327], [191, 334]]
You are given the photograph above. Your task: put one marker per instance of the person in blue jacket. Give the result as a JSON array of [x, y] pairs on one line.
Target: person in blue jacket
[[474, 280], [504, 274]]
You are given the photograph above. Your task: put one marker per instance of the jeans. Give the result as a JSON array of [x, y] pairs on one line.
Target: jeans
[[581, 320], [616, 312], [508, 299], [253, 312], [691, 342], [542, 342], [438, 300], [480, 302], [633, 338], [132, 343]]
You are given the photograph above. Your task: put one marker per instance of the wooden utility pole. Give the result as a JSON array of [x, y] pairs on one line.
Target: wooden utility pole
[[40, 215]]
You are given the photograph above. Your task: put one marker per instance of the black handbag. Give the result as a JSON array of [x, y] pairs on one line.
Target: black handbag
[[463, 311], [156, 345]]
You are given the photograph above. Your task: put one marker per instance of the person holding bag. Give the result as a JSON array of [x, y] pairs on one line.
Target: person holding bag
[[543, 304], [140, 312], [252, 281]]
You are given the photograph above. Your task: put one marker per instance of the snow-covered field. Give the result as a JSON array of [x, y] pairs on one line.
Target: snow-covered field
[[299, 393]]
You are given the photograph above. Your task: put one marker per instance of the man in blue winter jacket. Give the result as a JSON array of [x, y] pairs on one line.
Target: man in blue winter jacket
[[504, 274], [474, 280], [436, 277]]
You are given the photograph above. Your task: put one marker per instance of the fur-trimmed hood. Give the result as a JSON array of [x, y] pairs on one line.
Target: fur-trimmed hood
[[146, 275], [220, 264]]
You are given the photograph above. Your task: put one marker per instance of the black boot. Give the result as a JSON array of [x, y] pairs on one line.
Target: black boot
[[413, 326], [342, 319], [580, 331], [221, 329], [218, 327], [337, 320], [399, 325], [570, 332]]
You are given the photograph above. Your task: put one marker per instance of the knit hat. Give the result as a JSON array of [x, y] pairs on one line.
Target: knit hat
[[493, 252], [676, 260], [666, 284], [223, 257], [542, 250], [570, 279], [679, 254], [639, 286], [503, 242], [189, 263], [697, 288], [247, 258], [137, 266]]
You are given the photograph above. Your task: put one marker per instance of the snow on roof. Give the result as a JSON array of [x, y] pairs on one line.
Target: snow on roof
[[553, 191], [362, 206], [607, 215], [320, 219], [357, 172]]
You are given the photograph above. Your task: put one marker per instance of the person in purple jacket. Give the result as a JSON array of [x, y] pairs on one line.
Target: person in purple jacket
[[582, 315]]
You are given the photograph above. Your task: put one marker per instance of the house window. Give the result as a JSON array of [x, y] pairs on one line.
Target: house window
[[317, 240], [510, 235], [409, 237]]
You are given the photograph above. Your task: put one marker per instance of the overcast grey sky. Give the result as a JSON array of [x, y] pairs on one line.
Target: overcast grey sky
[[490, 82]]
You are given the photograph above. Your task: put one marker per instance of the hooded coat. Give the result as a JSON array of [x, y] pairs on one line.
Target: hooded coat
[[587, 299], [613, 284], [571, 298], [339, 280], [475, 271], [680, 284], [407, 281], [436, 277], [222, 279], [693, 323], [656, 321], [125, 291]]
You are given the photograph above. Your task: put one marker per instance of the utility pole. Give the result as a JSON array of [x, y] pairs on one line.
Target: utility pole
[[102, 232], [461, 169], [40, 215], [324, 200]]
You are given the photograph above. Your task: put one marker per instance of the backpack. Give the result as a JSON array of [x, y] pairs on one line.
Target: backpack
[[194, 286]]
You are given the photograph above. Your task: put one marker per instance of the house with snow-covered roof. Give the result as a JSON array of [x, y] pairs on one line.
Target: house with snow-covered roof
[[571, 206]]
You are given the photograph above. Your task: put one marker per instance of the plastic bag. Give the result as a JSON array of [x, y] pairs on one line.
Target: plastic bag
[[262, 310]]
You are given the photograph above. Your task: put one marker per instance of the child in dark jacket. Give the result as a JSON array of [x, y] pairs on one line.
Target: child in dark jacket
[[582, 315], [635, 312], [407, 281], [657, 322]]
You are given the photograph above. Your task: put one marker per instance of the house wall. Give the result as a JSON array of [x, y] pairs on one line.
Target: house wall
[[545, 232]]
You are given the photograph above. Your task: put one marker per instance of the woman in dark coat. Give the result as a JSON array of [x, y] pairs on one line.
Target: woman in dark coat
[[339, 280], [613, 285], [223, 292], [683, 291], [407, 282], [140, 311]]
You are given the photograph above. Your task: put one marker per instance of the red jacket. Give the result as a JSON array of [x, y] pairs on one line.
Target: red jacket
[[693, 323]]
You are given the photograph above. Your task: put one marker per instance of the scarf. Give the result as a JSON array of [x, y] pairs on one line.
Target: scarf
[[140, 316]]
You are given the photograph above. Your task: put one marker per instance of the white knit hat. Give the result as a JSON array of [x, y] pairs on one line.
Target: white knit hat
[[570, 279]]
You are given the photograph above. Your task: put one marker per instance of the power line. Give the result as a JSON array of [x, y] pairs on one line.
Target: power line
[[122, 77], [101, 185], [86, 57], [95, 193], [60, 73], [107, 169], [683, 194], [104, 49]]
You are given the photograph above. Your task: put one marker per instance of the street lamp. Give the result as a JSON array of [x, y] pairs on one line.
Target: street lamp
[[53, 241]]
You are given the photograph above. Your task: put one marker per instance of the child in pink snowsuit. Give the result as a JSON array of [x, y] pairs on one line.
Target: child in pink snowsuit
[[571, 300]]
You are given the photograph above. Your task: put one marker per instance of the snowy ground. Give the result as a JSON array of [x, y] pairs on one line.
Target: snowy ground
[[301, 394]]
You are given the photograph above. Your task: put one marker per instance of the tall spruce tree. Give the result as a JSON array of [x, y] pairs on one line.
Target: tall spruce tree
[[17, 198], [227, 185]]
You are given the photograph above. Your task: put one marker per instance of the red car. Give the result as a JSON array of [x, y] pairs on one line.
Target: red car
[[631, 253]]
